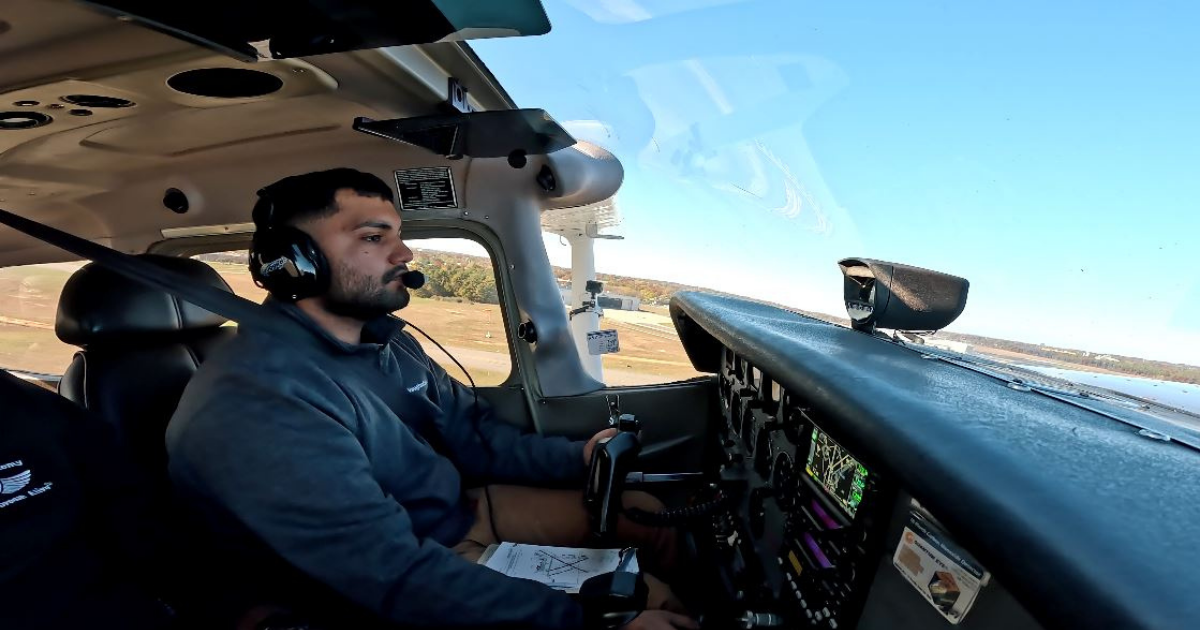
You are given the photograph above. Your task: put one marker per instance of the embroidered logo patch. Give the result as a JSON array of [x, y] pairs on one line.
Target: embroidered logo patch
[[15, 488], [15, 483]]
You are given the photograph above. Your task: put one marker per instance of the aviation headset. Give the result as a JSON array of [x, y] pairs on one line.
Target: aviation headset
[[284, 259]]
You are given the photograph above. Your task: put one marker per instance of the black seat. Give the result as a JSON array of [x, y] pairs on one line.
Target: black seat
[[140, 346]]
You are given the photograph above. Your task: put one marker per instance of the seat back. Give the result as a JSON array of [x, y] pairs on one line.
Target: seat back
[[139, 348]]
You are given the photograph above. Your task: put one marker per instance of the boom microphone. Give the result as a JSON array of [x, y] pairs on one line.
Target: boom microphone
[[413, 279]]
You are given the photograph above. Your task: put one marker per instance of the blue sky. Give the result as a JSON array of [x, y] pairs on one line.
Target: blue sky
[[1048, 154]]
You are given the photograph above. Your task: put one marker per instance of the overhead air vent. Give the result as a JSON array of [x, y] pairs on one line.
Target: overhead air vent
[[95, 101], [225, 83], [23, 120]]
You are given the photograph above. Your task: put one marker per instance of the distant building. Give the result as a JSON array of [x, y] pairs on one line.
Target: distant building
[[619, 302], [946, 344], [1109, 358], [605, 300]]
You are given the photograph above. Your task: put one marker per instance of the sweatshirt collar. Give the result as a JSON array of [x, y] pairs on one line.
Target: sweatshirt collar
[[376, 334]]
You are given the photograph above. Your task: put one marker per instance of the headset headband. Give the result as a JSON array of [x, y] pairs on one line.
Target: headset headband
[[263, 213]]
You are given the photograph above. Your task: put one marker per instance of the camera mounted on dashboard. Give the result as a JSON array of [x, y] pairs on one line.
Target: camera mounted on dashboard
[[882, 294]]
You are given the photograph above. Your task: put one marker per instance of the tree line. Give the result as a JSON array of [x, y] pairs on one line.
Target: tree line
[[456, 275], [650, 291]]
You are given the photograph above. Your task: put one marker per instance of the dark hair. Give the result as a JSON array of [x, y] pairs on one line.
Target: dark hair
[[300, 198]]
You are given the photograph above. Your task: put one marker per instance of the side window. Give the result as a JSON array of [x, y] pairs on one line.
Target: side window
[[27, 310], [636, 307], [458, 306], [233, 268]]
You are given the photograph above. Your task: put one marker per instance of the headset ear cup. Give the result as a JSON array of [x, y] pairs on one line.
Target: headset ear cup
[[287, 262], [322, 273]]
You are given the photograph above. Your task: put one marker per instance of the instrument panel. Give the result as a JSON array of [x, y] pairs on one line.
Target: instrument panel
[[944, 513], [802, 542]]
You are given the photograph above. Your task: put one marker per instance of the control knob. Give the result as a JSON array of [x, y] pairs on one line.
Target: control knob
[[750, 620]]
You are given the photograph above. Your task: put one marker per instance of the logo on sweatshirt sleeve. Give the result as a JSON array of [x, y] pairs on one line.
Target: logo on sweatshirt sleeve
[[15, 483], [15, 488]]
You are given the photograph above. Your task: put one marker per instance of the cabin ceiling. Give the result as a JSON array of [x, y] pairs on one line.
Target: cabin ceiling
[[101, 172]]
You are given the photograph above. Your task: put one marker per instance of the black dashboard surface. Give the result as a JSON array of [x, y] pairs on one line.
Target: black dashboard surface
[[1088, 523]]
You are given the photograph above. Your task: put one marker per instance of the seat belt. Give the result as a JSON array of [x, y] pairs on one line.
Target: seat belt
[[223, 303], [228, 305]]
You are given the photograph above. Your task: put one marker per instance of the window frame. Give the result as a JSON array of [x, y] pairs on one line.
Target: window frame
[[415, 231]]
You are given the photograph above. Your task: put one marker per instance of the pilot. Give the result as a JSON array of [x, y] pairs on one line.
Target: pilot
[[331, 442]]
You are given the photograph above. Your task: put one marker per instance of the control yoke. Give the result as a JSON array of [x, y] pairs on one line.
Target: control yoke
[[612, 600], [611, 473], [612, 459]]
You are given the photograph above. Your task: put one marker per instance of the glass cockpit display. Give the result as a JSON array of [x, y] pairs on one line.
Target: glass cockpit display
[[839, 474]]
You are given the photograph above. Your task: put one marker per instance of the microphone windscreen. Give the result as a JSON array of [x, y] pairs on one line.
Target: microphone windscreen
[[413, 279]]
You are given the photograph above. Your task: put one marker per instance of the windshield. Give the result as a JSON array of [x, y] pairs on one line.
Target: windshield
[[1044, 151]]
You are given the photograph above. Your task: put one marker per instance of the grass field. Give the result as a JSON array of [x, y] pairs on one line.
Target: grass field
[[474, 333], [28, 303]]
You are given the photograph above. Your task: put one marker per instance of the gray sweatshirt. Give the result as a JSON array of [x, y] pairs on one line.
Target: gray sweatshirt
[[348, 462]]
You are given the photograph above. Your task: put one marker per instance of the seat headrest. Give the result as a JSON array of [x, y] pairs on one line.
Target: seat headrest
[[99, 305]]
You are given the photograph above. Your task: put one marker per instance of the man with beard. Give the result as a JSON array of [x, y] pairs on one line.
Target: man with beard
[[349, 478]]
